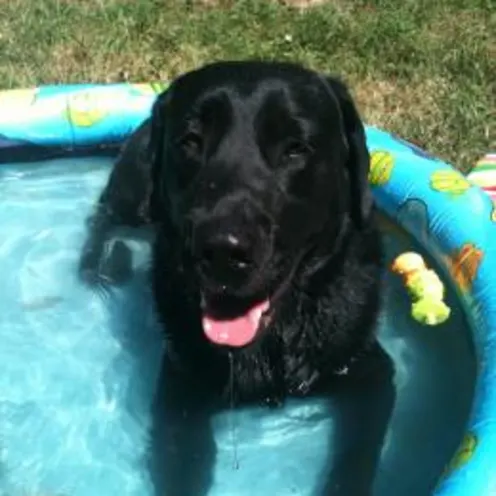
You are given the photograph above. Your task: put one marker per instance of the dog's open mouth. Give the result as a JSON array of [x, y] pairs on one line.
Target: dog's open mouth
[[235, 322], [238, 331]]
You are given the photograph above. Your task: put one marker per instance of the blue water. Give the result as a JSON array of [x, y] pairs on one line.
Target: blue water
[[77, 369]]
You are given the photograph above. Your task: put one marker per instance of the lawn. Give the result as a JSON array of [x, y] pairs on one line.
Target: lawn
[[424, 69]]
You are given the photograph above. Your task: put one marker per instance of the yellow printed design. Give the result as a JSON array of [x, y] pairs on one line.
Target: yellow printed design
[[85, 109], [449, 181], [149, 88], [463, 454], [464, 265], [16, 99], [381, 167], [493, 212]]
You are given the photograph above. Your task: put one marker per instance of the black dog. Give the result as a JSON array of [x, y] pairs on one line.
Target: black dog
[[267, 260]]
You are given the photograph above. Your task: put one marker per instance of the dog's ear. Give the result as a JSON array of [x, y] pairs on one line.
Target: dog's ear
[[358, 160], [156, 150]]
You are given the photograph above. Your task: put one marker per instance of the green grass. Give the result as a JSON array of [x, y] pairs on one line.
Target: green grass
[[424, 69]]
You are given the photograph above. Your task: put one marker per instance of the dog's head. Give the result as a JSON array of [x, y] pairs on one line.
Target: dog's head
[[254, 165]]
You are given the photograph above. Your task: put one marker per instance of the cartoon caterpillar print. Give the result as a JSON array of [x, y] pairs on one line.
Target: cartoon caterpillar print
[[381, 167], [85, 109], [450, 182]]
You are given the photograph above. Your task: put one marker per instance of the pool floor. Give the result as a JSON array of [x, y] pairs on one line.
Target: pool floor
[[78, 370]]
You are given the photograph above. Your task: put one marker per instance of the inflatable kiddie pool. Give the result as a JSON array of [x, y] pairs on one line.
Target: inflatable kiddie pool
[[77, 368]]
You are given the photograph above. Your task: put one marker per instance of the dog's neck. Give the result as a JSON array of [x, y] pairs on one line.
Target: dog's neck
[[326, 291]]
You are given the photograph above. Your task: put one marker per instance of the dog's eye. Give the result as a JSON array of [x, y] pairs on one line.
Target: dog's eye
[[294, 151], [192, 143]]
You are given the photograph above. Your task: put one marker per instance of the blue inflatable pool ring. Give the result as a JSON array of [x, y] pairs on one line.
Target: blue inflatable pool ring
[[459, 230]]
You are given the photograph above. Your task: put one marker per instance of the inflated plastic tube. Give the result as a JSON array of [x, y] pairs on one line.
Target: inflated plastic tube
[[453, 219]]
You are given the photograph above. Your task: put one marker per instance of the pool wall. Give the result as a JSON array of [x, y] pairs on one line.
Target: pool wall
[[453, 219]]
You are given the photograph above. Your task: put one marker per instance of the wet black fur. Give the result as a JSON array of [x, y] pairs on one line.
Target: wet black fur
[[325, 262]]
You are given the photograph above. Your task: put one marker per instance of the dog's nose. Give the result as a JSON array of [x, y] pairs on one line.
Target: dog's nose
[[225, 257]]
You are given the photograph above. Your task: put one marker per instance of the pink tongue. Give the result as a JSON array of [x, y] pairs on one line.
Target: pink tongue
[[236, 332]]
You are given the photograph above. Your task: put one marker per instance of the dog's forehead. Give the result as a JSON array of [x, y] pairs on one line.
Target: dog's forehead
[[253, 92], [272, 110]]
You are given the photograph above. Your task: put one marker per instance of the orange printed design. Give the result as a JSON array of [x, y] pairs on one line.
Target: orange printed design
[[449, 181], [464, 264], [463, 454], [381, 167]]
